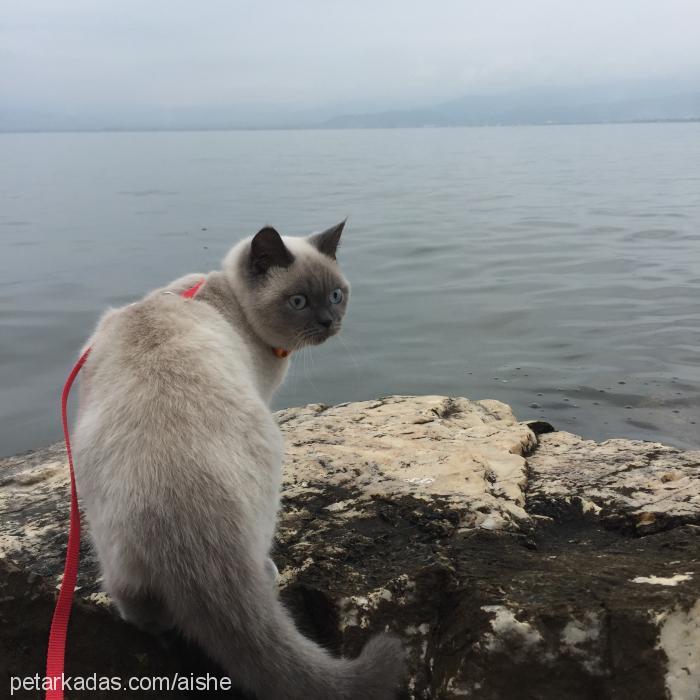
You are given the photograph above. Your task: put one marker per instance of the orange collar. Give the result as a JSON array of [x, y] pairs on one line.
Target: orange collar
[[281, 352]]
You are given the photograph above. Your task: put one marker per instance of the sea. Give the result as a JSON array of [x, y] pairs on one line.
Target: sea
[[555, 268]]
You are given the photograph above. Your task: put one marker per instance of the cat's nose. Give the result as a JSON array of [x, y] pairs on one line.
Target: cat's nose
[[325, 322]]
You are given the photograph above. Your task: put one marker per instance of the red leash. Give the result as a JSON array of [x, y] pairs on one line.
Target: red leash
[[61, 615], [55, 656]]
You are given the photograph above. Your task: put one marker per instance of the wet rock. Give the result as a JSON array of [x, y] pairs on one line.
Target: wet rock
[[515, 562], [643, 486]]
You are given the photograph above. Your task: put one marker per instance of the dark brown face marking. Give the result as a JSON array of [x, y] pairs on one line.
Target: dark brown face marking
[[270, 271], [268, 250]]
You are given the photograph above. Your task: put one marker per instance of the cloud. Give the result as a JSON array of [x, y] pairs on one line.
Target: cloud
[[258, 60]]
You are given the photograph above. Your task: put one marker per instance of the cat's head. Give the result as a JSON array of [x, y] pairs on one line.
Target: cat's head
[[291, 289]]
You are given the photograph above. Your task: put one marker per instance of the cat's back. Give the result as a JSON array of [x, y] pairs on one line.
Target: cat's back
[[168, 419], [166, 377], [166, 342]]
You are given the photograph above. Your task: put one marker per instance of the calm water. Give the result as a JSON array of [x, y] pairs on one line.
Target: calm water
[[554, 268]]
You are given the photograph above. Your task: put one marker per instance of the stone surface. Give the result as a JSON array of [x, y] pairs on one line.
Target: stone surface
[[515, 563], [467, 453], [648, 485]]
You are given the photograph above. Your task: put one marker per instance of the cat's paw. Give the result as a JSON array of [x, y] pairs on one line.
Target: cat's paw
[[150, 625], [144, 612]]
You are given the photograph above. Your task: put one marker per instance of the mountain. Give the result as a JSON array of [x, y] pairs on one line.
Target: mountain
[[544, 106], [651, 101]]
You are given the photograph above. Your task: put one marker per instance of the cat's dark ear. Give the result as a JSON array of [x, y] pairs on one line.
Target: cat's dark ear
[[328, 241], [267, 250]]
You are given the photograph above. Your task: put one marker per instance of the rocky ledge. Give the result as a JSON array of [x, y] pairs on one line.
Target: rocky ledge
[[515, 561]]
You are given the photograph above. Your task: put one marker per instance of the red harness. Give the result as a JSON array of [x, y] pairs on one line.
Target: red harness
[[55, 656]]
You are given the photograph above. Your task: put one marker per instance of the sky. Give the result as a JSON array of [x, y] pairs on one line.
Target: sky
[[259, 62]]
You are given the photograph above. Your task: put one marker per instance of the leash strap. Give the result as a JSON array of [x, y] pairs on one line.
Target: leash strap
[[61, 615], [55, 656]]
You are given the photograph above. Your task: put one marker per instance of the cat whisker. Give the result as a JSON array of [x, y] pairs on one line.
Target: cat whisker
[[352, 356], [308, 376], [299, 340]]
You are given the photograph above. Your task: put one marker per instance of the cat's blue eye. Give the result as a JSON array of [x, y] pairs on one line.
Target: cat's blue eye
[[297, 301], [336, 296]]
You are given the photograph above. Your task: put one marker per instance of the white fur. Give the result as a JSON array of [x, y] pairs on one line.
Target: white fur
[[178, 464]]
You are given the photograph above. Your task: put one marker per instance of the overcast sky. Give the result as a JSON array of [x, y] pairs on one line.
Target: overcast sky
[[260, 58]]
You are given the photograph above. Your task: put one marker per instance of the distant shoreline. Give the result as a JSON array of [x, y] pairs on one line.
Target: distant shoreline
[[322, 127]]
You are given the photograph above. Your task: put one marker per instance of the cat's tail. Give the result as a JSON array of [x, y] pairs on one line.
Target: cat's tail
[[241, 623]]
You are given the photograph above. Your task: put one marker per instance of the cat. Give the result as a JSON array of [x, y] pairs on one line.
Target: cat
[[178, 463]]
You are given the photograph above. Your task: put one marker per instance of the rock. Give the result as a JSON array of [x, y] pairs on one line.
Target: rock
[[644, 486], [515, 562], [467, 454]]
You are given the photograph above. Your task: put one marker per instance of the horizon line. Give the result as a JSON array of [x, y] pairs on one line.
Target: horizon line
[[322, 127]]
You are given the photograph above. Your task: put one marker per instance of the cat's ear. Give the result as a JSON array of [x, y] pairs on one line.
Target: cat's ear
[[328, 241], [267, 250]]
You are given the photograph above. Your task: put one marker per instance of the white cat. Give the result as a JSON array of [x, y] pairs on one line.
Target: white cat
[[178, 463]]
